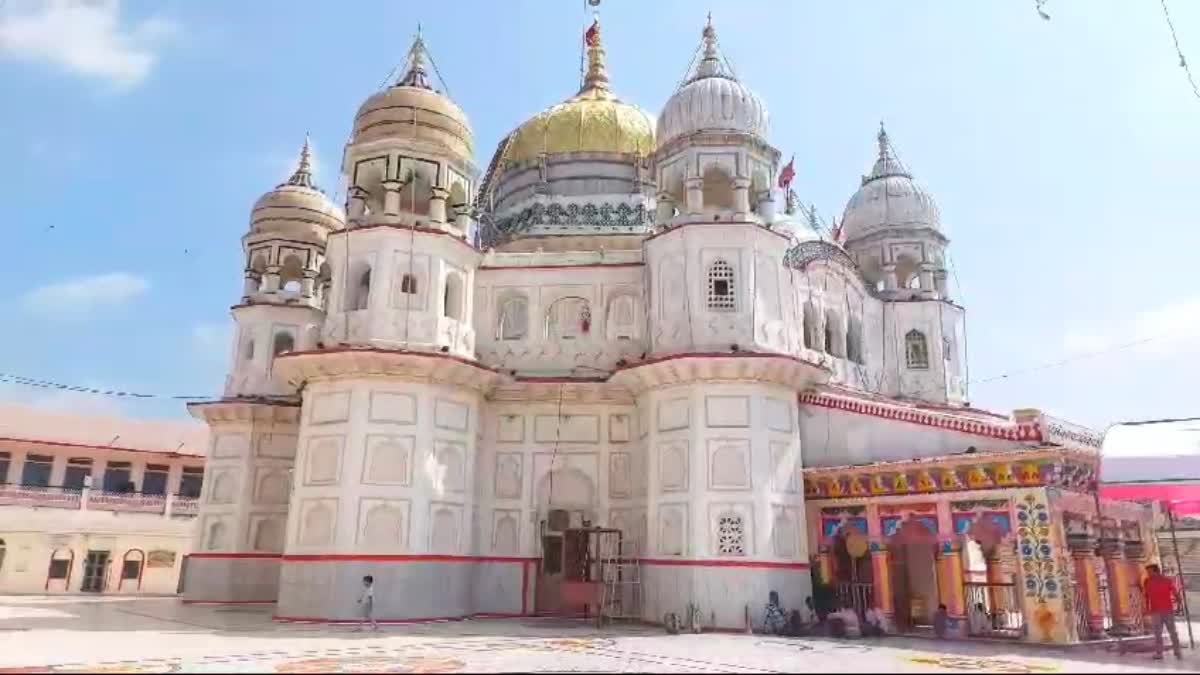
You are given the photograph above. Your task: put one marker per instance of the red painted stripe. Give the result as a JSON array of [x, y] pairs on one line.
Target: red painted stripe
[[418, 557], [746, 564], [112, 448], [228, 602], [235, 556]]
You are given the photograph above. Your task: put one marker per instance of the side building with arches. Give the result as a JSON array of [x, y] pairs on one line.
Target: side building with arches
[[96, 505]]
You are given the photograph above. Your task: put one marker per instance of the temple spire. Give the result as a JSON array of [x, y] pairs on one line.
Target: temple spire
[[415, 75], [887, 164], [302, 176], [597, 72]]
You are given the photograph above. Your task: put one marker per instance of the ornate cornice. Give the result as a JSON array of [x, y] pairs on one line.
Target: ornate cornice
[[1000, 429], [278, 410], [755, 367], [413, 366], [1036, 467]]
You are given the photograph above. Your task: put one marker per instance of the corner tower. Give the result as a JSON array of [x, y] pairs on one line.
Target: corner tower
[[892, 229], [391, 402], [254, 425]]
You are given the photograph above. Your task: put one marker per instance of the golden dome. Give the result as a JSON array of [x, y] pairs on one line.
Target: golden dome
[[412, 108], [594, 120]]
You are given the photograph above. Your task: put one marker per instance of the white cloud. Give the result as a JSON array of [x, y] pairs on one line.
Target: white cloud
[[1164, 330], [85, 37], [211, 340], [82, 296]]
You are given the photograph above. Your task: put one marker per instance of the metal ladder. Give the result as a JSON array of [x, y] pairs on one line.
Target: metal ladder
[[620, 580]]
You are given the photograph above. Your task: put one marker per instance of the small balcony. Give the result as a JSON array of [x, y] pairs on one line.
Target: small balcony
[[40, 496]]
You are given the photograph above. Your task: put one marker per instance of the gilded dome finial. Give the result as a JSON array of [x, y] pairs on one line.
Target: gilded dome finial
[[597, 73], [415, 75], [302, 176]]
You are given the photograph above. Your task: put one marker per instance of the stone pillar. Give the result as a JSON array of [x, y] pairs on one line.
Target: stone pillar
[[357, 203], [741, 197], [1135, 567], [307, 283], [889, 277], [462, 218], [271, 279], [1118, 583], [824, 564], [950, 584], [665, 209], [437, 204], [391, 197], [882, 572], [695, 195], [1083, 556], [766, 206]]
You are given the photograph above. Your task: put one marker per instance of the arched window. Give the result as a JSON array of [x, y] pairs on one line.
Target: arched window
[[835, 334], [131, 568], [621, 320], [717, 189], [721, 293], [248, 352], [291, 274], [914, 282], [284, 342], [731, 535], [258, 266], [513, 322], [408, 284], [360, 293], [916, 350], [568, 319], [810, 326], [854, 339], [452, 304]]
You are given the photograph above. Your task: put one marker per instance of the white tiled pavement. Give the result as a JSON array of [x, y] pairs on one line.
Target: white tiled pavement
[[69, 634]]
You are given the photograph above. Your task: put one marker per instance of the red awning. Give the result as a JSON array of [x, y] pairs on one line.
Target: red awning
[[1184, 500]]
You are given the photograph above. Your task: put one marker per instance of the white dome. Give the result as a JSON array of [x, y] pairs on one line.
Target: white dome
[[712, 99], [889, 198]]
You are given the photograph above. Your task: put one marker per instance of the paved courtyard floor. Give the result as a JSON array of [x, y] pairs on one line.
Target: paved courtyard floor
[[122, 635]]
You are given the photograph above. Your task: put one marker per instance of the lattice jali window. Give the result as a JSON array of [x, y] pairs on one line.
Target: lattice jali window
[[731, 534], [721, 295]]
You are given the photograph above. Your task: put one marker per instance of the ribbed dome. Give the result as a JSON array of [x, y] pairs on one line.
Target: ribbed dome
[[413, 109], [296, 208], [889, 197], [712, 99], [594, 120]]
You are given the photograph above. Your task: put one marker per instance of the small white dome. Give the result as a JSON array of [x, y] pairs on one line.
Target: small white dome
[[712, 99], [888, 198], [296, 207]]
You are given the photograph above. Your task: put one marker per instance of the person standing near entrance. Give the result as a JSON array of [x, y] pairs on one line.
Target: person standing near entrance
[[367, 601], [1161, 597]]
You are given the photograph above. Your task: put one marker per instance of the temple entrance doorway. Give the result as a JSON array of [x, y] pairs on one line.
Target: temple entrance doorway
[[564, 499], [993, 604], [854, 578], [914, 575]]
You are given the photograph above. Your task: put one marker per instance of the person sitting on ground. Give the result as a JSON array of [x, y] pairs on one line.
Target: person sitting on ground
[[809, 615], [775, 621], [977, 620], [941, 621], [844, 623], [873, 623]]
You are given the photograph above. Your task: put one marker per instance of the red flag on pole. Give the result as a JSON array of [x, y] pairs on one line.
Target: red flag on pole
[[788, 173], [592, 34], [837, 232]]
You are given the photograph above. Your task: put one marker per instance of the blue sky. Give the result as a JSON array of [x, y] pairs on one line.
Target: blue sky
[[136, 135]]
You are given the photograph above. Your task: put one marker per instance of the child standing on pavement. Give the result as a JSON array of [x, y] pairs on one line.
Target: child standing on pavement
[[367, 600]]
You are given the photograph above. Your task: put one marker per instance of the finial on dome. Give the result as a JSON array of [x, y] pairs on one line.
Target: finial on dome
[[887, 164], [302, 176], [884, 146], [415, 75], [711, 64], [597, 72]]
